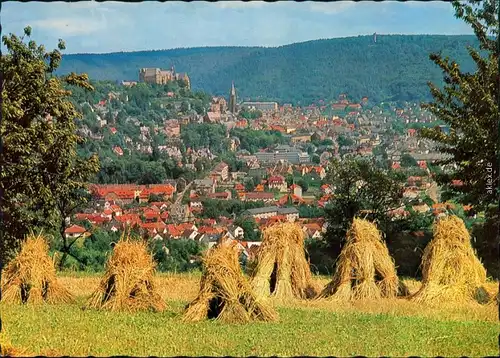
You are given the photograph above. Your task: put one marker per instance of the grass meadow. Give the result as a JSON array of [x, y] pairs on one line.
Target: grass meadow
[[315, 328]]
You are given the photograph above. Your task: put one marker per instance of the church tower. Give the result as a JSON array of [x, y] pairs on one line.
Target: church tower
[[232, 99]]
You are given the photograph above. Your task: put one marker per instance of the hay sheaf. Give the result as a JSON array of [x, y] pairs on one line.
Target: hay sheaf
[[31, 276], [494, 299], [451, 271], [225, 294], [365, 269], [281, 269], [128, 283]]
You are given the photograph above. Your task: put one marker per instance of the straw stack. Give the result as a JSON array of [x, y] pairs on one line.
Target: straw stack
[[225, 293], [31, 276], [282, 270], [451, 271], [128, 283], [365, 269]]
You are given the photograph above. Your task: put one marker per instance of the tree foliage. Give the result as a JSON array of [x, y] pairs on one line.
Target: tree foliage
[[468, 104], [177, 255], [43, 177], [361, 189]]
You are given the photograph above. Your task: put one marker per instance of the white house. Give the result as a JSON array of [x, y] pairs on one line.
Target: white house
[[236, 231], [74, 231]]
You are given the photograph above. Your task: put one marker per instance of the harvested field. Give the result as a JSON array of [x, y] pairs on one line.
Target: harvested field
[[396, 328]]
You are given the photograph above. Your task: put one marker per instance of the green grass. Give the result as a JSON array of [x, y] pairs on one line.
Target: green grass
[[69, 330]]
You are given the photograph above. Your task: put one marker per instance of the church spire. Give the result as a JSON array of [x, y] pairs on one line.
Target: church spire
[[232, 99]]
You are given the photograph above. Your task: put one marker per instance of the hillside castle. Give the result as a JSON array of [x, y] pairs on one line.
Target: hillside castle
[[161, 77]]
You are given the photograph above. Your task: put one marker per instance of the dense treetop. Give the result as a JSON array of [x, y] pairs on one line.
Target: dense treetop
[[395, 68]]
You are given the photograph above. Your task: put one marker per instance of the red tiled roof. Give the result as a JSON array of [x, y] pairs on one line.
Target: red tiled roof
[[276, 179], [222, 195], [259, 195], [239, 186], [118, 150], [164, 215], [75, 229], [313, 226], [151, 215], [159, 226], [128, 217], [173, 231], [396, 165], [207, 230]]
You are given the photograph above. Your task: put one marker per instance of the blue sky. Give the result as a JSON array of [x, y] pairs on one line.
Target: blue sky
[[113, 26]]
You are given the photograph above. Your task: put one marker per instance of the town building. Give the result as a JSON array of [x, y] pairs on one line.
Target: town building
[[293, 157], [162, 77], [220, 172], [219, 104], [291, 214], [260, 106]]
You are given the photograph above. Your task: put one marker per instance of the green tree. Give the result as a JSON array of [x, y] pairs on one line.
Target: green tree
[[250, 184], [361, 189], [177, 255], [407, 161], [250, 228], [468, 104], [185, 107], [343, 141], [303, 184], [42, 178]]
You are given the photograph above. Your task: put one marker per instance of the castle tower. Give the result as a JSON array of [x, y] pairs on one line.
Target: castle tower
[[232, 99]]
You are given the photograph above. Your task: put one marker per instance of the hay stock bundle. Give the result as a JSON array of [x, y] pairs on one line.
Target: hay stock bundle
[[282, 270], [225, 293], [365, 269], [128, 283], [451, 271], [31, 276]]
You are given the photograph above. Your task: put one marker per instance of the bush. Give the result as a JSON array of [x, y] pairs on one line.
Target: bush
[[484, 241], [320, 260], [183, 255]]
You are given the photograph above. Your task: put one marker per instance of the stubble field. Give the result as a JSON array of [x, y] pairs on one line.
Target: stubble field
[[393, 327]]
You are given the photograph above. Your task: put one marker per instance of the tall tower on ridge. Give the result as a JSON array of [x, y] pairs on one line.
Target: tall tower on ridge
[[232, 99]]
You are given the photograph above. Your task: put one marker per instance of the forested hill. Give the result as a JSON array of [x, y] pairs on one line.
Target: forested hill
[[396, 67]]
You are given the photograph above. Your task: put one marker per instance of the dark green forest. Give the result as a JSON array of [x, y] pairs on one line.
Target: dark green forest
[[395, 68]]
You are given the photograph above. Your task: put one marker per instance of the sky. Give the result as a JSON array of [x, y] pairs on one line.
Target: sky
[[92, 27]]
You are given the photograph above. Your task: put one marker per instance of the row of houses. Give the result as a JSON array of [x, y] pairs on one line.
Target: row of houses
[[127, 193]]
